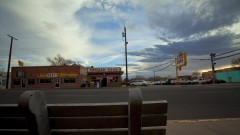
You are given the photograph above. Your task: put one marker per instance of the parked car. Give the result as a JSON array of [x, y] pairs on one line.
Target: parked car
[[185, 81], [167, 82], [172, 82], [139, 83], [157, 83], [216, 81]]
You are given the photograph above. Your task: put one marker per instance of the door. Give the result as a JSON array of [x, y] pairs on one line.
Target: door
[[57, 82], [23, 83]]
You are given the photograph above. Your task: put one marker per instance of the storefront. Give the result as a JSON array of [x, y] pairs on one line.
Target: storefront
[[105, 77], [48, 77]]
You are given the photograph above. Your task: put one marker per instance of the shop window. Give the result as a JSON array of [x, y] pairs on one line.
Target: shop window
[[49, 80], [31, 81], [114, 79], [69, 80], [16, 82]]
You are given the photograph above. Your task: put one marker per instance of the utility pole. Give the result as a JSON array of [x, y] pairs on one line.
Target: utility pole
[[124, 34], [154, 75], [177, 68], [213, 66], [9, 60]]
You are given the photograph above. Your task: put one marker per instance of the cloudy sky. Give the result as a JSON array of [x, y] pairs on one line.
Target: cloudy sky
[[90, 33]]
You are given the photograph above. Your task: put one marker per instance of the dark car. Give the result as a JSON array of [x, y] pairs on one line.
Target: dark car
[[216, 81], [167, 82]]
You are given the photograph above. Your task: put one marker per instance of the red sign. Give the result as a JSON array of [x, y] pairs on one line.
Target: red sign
[[113, 69]]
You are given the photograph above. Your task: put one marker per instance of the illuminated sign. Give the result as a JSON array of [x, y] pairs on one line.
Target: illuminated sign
[[113, 69]]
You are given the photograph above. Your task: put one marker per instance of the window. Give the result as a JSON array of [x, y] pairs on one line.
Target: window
[[3, 82], [114, 79], [16, 82], [69, 80], [20, 74], [49, 80], [31, 81]]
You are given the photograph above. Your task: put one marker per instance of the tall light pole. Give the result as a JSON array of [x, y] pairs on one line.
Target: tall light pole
[[9, 60], [124, 34]]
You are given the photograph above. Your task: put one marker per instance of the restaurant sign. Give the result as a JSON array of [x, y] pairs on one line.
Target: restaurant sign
[[112, 69], [55, 75]]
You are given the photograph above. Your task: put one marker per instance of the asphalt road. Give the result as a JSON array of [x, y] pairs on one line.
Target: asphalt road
[[185, 102]]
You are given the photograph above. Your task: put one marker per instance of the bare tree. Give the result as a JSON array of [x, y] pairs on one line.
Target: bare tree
[[195, 74], [235, 62], [59, 61]]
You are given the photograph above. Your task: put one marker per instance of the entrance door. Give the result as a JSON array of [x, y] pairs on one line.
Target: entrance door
[[23, 83], [104, 82], [57, 82]]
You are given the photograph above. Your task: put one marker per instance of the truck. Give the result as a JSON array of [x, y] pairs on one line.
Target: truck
[[199, 81]]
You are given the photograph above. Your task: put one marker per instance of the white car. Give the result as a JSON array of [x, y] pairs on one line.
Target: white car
[[139, 83]]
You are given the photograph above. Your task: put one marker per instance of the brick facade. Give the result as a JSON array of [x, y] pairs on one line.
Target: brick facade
[[64, 77], [48, 77]]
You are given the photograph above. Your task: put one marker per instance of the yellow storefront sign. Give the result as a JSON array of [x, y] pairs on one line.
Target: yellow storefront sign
[[56, 75], [67, 75]]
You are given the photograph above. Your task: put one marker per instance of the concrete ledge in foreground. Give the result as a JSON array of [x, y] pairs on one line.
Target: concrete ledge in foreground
[[229, 126]]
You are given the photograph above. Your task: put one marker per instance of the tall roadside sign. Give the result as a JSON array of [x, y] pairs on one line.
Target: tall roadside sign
[[180, 62]]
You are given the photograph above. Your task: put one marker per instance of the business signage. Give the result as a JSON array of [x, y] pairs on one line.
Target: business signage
[[56, 75], [181, 60], [112, 69]]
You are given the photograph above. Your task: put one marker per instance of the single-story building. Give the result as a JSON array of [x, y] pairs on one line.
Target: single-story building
[[105, 77], [48, 76], [65, 76], [227, 74]]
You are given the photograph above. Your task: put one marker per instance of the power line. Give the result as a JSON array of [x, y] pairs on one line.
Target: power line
[[227, 56], [157, 65], [221, 54], [147, 56], [199, 59], [164, 68], [227, 52]]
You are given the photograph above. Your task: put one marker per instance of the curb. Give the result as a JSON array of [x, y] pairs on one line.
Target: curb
[[203, 120]]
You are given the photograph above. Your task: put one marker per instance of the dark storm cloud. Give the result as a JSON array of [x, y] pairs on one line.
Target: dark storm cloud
[[150, 55], [185, 18], [204, 46]]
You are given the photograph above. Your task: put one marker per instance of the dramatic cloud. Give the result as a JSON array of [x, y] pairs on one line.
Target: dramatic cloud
[[187, 17], [90, 32]]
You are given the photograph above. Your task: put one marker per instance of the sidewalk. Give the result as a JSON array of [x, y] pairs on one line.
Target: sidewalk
[[229, 126]]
